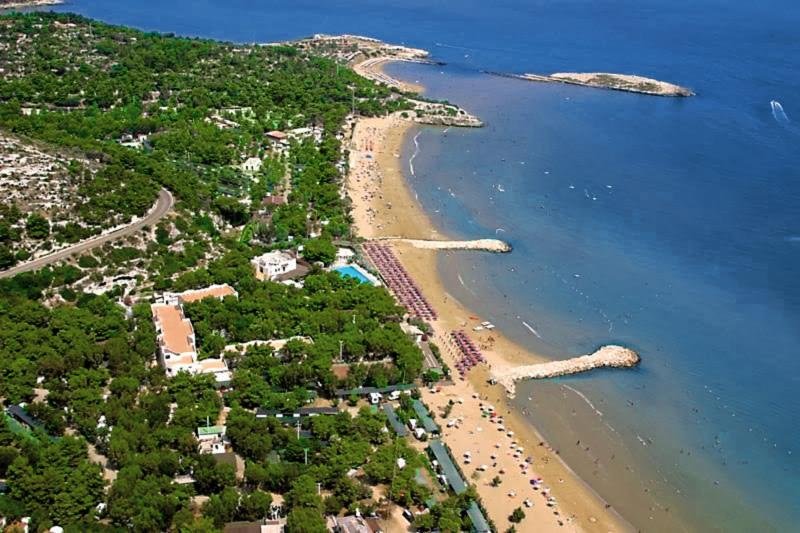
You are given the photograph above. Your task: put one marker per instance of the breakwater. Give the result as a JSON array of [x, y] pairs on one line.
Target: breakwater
[[610, 356]]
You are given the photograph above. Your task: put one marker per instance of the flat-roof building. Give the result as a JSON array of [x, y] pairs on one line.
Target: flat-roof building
[[177, 351], [18, 413], [425, 417], [215, 291], [175, 332], [271, 265]]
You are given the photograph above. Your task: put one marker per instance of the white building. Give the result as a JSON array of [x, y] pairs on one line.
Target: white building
[[273, 264], [252, 165], [344, 256], [177, 351], [211, 439]]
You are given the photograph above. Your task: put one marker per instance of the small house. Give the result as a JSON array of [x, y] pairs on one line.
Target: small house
[[251, 165], [273, 264], [19, 414], [276, 137]]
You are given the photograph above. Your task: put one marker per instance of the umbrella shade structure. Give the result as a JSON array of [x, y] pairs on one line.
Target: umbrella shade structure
[[479, 523], [394, 421], [447, 466], [424, 417]]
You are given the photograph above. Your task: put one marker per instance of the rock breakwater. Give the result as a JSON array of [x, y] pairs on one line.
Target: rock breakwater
[[610, 356]]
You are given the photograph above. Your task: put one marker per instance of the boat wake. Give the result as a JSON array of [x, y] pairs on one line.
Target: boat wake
[[778, 113], [414, 155], [461, 280], [585, 399], [531, 329]]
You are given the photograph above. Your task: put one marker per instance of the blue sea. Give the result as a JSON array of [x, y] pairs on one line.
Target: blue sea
[[669, 225]]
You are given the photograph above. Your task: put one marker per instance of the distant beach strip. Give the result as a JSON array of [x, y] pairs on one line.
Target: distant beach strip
[[11, 4]]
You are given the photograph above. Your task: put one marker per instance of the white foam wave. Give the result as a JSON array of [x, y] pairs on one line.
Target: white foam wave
[[778, 113], [414, 155], [531, 329], [585, 399], [461, 281]]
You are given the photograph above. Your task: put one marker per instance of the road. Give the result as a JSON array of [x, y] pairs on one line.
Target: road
[[157, 212]]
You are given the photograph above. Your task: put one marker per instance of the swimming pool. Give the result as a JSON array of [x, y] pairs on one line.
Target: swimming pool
[[352, 272]]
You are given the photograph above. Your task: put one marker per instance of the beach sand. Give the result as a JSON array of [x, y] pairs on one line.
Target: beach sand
[[383, 206], [373, 69]]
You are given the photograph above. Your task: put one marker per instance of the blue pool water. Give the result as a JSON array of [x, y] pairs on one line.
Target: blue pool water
[[351, 272], [671, 226]]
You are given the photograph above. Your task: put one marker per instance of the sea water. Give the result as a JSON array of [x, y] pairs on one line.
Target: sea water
[[638, 236], [668, 225]]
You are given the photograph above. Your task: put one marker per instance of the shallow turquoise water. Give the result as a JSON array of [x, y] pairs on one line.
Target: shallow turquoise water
[[350, 272]]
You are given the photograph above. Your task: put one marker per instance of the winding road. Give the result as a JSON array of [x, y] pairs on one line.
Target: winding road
[[157, 212]]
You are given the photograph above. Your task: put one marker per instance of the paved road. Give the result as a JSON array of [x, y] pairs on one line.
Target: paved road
[[160, 208]]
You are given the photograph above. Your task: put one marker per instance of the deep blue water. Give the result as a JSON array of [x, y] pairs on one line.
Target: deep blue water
[[669, 225]]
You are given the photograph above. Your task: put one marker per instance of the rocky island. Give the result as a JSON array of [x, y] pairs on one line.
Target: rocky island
[[618, 82]]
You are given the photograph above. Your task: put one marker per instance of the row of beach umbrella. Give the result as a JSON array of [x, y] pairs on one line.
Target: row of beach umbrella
[[399, 281]]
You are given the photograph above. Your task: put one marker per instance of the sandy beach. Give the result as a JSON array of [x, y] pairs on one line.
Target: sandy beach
[[384, 206], [373, 68]]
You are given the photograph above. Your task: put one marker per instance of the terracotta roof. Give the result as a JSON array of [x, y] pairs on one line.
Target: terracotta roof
[[273, 200], [175, 329], [217, 291], [212, 364], [186, 359], [276, 134], [242, 527]]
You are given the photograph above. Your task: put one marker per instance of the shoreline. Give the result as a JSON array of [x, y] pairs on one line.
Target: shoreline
[[373, 69], [383, 205], [31, 3]]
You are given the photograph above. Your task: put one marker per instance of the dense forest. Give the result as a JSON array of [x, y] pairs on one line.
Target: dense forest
[[113, 437], [199, 107]]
